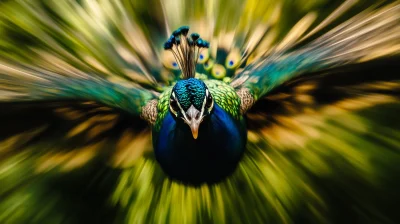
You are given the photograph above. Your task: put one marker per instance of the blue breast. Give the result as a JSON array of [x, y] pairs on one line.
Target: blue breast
[[209, 158]]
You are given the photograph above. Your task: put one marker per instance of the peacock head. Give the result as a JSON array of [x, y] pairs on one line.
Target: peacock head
[[190, 98], [191, 101]]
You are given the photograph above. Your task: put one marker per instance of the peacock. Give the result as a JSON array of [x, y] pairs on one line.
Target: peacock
[[199, 111]]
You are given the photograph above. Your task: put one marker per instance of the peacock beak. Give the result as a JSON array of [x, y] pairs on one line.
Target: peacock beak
[[193, 118], [195, 130]]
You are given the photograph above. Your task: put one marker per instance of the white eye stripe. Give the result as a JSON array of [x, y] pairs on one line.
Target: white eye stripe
[[179, 105], [182, 111], [205, 102], [171, 108]]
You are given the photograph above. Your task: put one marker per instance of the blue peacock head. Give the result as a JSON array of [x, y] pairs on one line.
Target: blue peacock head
[[190, 98]]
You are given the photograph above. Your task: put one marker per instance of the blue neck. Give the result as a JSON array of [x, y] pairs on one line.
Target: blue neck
[[210, 157]]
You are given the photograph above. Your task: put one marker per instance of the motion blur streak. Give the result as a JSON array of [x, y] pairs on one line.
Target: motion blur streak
[[322, 147]]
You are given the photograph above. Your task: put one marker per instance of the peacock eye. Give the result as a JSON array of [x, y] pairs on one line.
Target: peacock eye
[[209, 102], [173, 106]]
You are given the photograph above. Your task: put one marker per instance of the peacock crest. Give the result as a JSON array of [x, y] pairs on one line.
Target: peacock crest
[[186, 50]]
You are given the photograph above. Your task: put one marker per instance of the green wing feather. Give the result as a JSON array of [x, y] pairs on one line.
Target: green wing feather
[[19, 84], [162, 107], [225, 96]]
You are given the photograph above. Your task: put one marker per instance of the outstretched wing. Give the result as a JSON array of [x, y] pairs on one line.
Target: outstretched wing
[[69, 112], [371, 34], [20, 83]]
